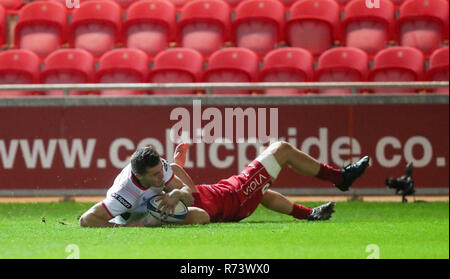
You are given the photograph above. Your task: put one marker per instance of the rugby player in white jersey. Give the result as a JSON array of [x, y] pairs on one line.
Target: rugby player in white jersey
[[126, 201]]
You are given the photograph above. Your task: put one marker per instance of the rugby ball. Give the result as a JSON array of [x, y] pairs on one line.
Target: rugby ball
[[179, 214]]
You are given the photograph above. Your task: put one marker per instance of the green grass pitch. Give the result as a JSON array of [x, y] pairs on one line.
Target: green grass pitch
[[357, 230]]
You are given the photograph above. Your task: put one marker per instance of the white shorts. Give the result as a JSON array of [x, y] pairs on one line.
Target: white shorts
[[269, 162]]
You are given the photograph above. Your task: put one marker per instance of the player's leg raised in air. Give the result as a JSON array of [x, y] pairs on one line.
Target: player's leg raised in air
[[280, 154], [250, 187]]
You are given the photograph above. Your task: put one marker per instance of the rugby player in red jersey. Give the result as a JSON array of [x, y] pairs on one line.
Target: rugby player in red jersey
[[236, 198], [229, 200]]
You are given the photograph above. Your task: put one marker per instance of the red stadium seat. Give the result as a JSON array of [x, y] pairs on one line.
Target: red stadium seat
[[179, 3], [288, 3], [124, 3], [438, 68], [41, 27], [18, 66], [123, 65], [342, 3], [204, 25], [343, 64], [423, 24], [258, 25], [313, 25], [71, 5], [177, 65], [398, 3], [68, 66], [11, 5], [96, 26], [287, 65], [150, 26], [3, 26], [232, 65], [368, 29], [233, 3], [398, 64]]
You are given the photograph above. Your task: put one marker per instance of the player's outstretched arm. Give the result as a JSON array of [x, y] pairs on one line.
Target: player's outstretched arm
[[96, 217], [183, 176], [196, 216]]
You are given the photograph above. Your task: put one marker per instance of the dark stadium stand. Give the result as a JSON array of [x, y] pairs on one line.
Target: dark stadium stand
[[342, 64], [287, 65], [177, 65], [398, 64], [275, 40], [123, 65]]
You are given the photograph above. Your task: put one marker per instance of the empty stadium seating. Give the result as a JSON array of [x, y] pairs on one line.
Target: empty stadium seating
[[301, 28], [438, 68], [150, 26], [423, 24], [233, 3], [11, 5], [71, 4], [288, 3], [368, 29], [398, 2], [343, 64], [258, 25], [179, 3], [41, 27], [123, 65], [204, 25], [124, 3], [175, 66], [232, 65], [287, 65], [18, 66], [398, 64], [2, 26], [313, 25], [68, 66], [342, 2], [96, 26]]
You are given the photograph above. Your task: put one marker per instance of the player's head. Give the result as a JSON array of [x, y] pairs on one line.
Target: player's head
[[146, 166]]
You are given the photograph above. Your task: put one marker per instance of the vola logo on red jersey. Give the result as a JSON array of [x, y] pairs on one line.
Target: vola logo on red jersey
[[257, 181]]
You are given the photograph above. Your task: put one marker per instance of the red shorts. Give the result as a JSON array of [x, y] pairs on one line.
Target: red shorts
[[235, 198]]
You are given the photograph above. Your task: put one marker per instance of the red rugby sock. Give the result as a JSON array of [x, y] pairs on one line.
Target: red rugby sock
[[300, 212], [331, 174]]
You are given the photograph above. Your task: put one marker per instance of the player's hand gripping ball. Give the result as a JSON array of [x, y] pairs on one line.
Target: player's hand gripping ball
[[179, 214]]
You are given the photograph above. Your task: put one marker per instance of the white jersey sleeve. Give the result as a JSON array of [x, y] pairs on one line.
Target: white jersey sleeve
[[168, 172], [119, 202], [127, 195]]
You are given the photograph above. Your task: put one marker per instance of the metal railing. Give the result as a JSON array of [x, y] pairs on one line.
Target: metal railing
[[209, 87]]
